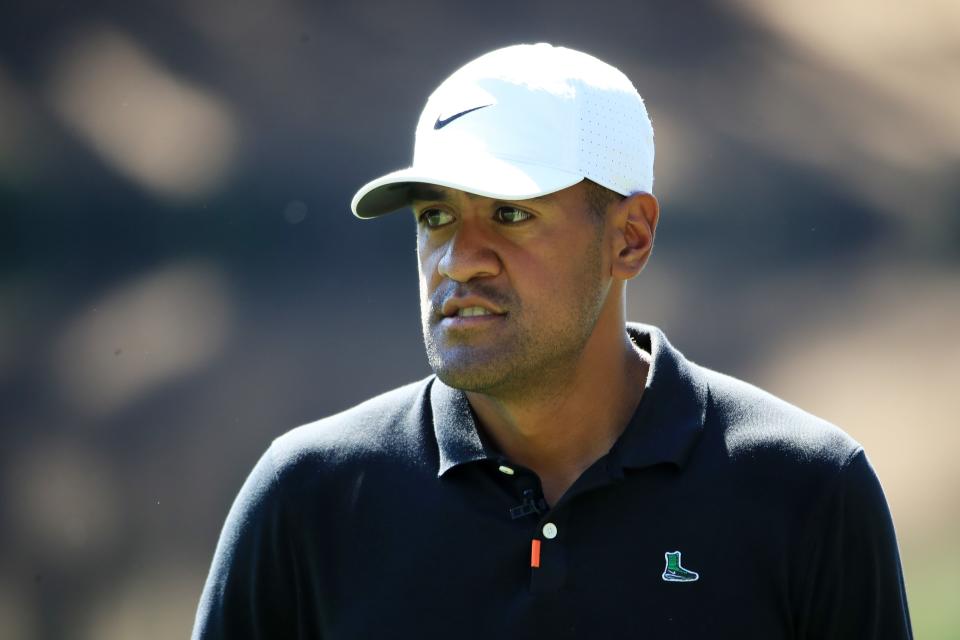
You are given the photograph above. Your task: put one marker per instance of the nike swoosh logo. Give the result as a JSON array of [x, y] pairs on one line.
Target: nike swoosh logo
[[440, 124]]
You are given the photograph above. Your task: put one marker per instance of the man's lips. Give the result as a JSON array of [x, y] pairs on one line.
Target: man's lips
[[469, 307], [464, 322]]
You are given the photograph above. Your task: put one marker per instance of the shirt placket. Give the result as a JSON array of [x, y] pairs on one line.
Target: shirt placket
[[548, 556]]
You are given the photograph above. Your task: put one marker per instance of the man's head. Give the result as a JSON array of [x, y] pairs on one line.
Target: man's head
[[531, 185]]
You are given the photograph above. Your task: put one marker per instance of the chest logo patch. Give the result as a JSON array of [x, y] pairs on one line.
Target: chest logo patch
[[674, 571]]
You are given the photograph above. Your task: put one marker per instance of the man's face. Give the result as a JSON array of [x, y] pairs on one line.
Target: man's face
[[509, 291]]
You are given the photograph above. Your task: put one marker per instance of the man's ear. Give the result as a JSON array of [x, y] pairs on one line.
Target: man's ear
[[634, 224]]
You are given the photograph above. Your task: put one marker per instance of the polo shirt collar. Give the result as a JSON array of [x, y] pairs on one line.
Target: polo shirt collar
[[664, 428], [455, 428], [669, 420]]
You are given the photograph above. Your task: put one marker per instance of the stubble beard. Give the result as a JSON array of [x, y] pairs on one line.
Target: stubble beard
[[526, 359]]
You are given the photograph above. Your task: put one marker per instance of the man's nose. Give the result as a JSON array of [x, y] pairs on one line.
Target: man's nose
[[469, 254]]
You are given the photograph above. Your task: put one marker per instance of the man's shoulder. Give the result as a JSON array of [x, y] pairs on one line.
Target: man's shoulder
[[387, 426], [745, 423], [757, 425]]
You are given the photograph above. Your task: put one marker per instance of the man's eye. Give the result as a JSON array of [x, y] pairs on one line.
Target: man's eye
[[435, 218], [512, 215]]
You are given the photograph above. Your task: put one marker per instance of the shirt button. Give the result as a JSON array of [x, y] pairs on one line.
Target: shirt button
[[549, 531], [505, 469]]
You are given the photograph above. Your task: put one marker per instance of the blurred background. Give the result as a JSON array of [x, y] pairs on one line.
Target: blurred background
[[181, 279]]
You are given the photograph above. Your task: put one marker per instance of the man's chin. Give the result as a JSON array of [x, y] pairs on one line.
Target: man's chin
[[468, 371], [468, 378], [473, 367]]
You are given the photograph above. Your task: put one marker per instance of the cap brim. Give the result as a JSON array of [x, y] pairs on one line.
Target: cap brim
[[484, 176]]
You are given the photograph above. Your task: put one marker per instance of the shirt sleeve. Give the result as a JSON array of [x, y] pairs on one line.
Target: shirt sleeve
[[250, 591], [854, 586]]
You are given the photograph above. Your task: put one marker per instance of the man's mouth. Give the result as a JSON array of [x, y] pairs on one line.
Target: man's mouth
[[470, 315], [470, 306], [469, 312]]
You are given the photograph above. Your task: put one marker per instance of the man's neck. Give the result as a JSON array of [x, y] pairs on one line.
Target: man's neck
[[559, 433]]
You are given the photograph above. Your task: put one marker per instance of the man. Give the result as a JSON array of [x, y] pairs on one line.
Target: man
[[565, 474]]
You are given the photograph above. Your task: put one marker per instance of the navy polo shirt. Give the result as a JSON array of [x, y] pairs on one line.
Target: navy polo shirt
[[720, 512]]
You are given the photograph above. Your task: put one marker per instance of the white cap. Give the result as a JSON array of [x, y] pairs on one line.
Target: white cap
[[522, 122]]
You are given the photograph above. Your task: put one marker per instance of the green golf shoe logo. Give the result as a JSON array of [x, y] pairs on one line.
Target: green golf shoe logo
[[674, 571]]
